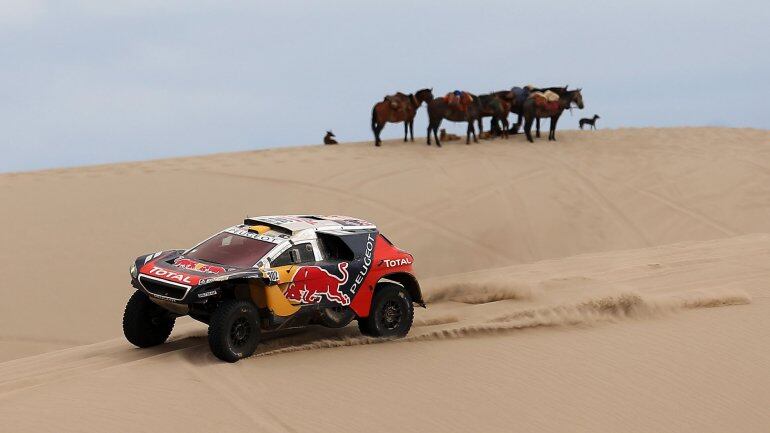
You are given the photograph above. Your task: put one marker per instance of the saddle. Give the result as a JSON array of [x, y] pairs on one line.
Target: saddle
[[547, 100], [458, 100], [398, 102], [549, 95]]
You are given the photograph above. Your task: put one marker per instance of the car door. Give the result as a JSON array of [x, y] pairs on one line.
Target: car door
[[294, 266]]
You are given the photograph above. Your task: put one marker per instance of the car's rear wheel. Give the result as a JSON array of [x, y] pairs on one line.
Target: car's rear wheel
[[146, 324], [234, 330], [391, 314]]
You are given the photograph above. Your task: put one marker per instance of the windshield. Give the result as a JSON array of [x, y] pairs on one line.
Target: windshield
[[231, 250]]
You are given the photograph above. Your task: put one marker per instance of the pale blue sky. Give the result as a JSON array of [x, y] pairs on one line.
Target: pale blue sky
[[96, 81]]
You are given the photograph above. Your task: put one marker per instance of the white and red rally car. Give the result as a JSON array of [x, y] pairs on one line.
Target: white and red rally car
[[275, 273]]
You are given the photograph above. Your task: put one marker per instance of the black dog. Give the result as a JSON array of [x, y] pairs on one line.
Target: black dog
[[590, 122], [328, 138]]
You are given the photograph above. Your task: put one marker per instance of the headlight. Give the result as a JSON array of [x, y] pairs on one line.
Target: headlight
[[134, 272]]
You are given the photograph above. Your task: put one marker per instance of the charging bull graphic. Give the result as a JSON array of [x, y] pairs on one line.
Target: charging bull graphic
[[310, 283]]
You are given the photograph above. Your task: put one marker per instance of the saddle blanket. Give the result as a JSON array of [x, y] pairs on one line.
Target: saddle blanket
[[542, 104], [460, 100]]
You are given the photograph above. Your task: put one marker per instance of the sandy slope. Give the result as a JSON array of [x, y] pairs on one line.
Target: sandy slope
[[658, 339], [575, 287]]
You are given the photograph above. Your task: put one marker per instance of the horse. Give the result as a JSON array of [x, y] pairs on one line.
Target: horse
[[398, 108], [329, 138], [440, 109], [521, 94], [497, 105], [537, 107], [590, 122]]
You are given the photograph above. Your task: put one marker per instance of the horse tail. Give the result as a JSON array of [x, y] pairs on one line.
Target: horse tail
[[374, 117]]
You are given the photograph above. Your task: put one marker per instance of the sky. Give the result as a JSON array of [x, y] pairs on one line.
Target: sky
[[94, 81]]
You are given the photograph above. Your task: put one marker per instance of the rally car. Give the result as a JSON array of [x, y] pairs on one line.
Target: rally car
[[275, 273]]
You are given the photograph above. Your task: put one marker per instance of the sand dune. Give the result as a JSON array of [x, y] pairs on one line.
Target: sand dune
[[612, 281], [671, 348]]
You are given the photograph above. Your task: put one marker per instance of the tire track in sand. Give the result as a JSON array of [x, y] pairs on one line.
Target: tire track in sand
[[593, 190], [491, 253]]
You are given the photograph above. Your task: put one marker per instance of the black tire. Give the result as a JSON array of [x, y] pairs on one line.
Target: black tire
[[234, 330], [391, 314], [146, 324], [363, 326]]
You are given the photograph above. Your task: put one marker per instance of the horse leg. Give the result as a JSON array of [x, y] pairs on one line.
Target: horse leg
[[538, 128], [505, 127], [377, 130], [468, 133], [481, 126], [406, 130], [552, 133], [471, 130], [411, 129], [528, 128], [433, 126]]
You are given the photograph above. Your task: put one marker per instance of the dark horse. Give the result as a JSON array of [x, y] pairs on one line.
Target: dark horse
[[537, 107], [398, 108], [520, 96], [497, 105], [439, 109]]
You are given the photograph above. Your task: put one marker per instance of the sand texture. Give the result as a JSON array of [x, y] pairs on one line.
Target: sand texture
[[616, 280]]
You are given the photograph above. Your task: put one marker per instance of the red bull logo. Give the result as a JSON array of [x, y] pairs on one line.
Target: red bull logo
[[199, 267], [311, 283]]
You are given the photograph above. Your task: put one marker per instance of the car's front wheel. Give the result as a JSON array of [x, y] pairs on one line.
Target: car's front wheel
[[391, 314], [234, 330], [146, 324]]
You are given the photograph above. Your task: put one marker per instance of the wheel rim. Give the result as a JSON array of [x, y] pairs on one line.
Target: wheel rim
[[391, 314], [240, 332], [157, 317]]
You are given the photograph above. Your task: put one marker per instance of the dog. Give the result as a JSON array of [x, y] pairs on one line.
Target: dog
[[443, 136], [328, 138], [590, 122]]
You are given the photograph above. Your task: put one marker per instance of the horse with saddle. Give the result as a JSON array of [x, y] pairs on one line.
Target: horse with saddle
[[398, 108]]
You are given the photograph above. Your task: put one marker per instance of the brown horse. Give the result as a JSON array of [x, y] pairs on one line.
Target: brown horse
[[495, 105], [537, 107], [521, 94], [441, 108], [398, 108]]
